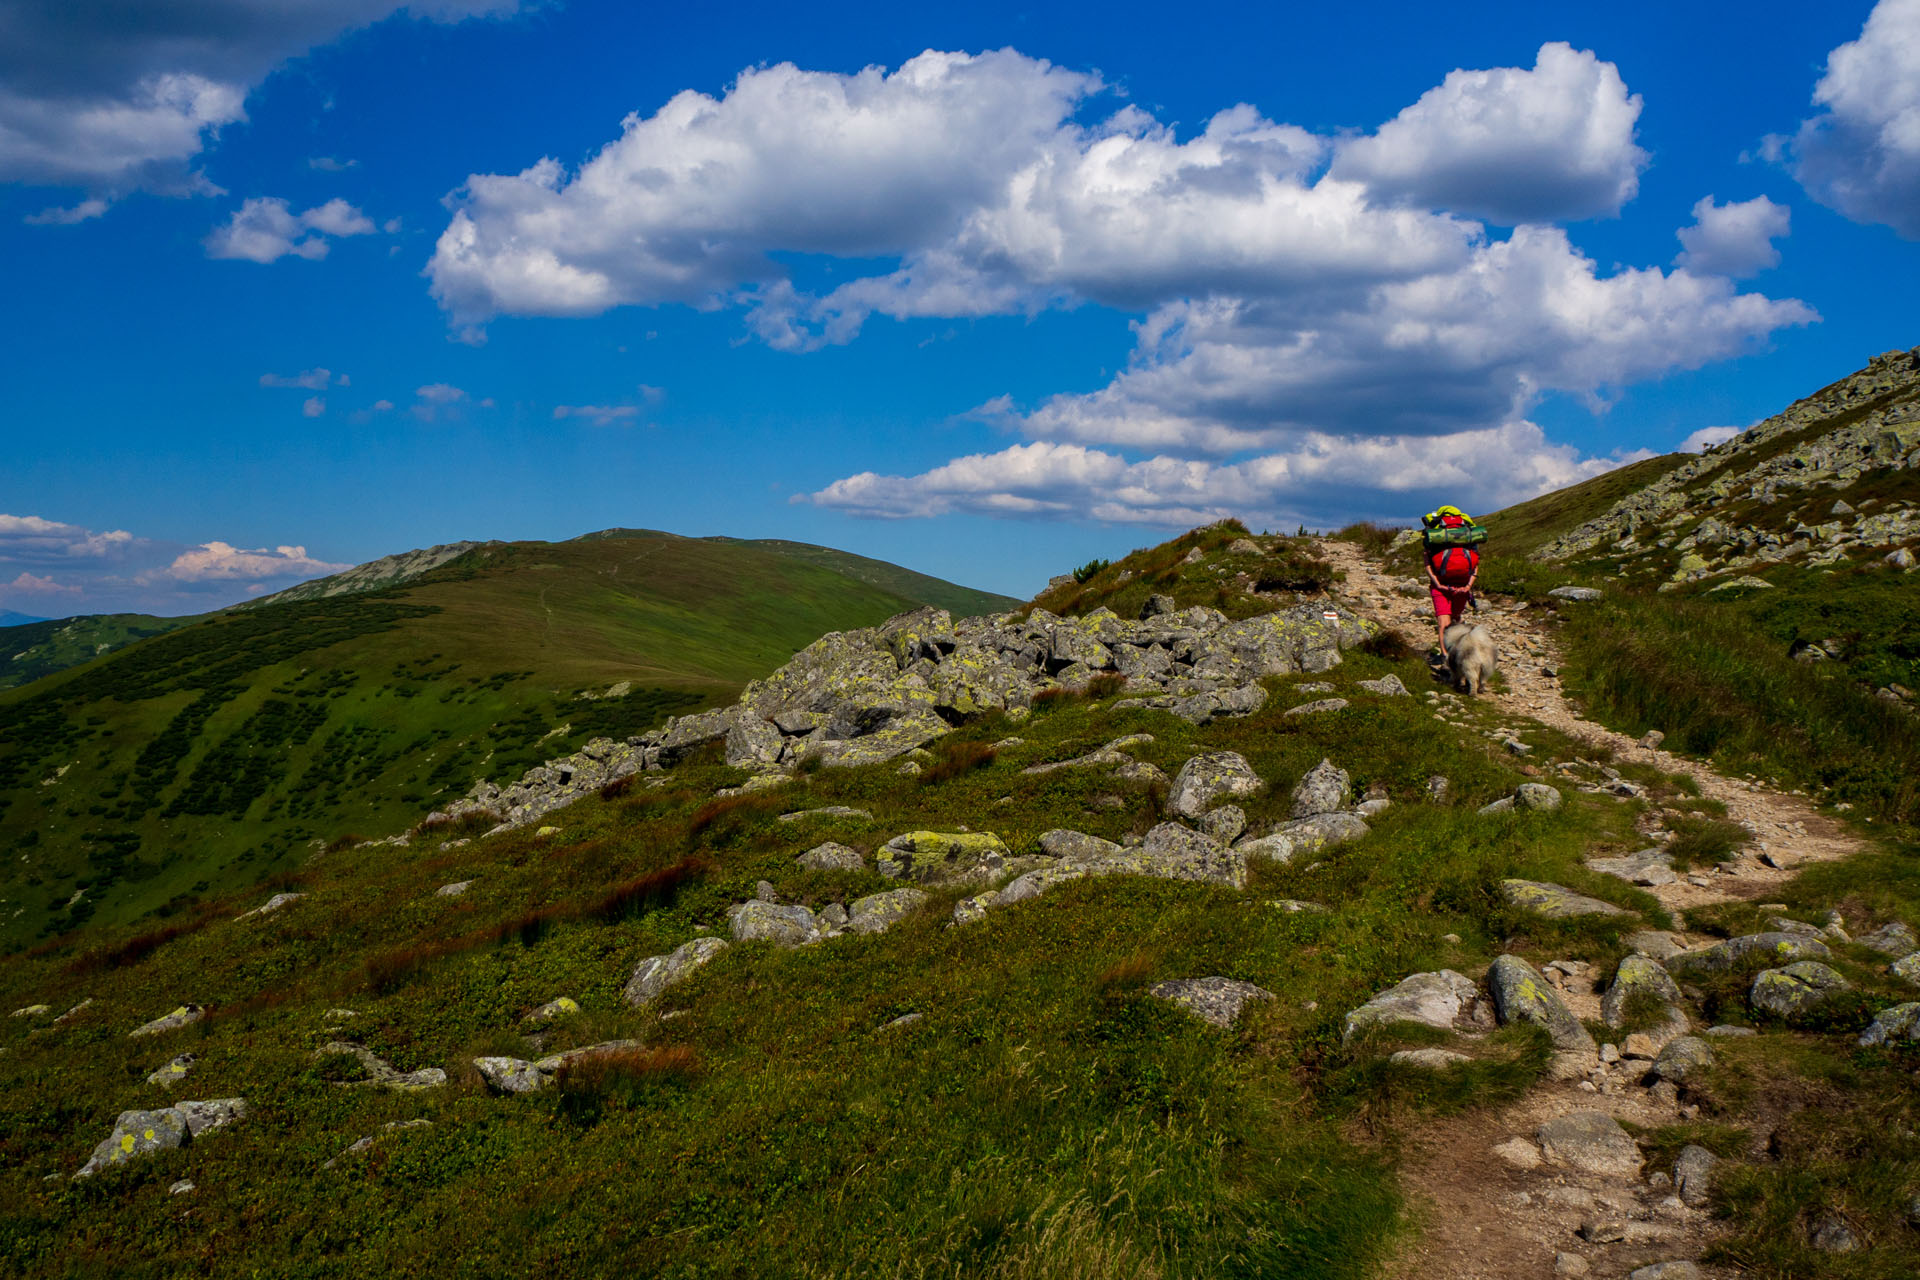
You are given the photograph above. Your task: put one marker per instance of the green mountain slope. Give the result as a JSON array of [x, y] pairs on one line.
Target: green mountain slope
[[962, 602], [31, 650], [212, 755]]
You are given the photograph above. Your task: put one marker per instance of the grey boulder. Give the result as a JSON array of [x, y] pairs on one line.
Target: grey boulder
[[1589, 1142], [878, 912], [1443, 1000], [656, 973], [1323, 789], [1208, 778], [1520, 994], [1795, 989], [783, 926], [1555, 902], [1750, 949], [1217, 1001], [832, 856]]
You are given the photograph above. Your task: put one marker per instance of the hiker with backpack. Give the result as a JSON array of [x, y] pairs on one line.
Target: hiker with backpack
[[1452, 543]]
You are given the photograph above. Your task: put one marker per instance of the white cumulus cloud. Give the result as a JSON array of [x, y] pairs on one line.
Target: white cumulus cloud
[[1290, 288], [1861, 154], [265, 229], [36, 585], [220, 561], [36, 540], [313, 406], [1706, 437], [57, 216], [1734, 239], [1510, 145]]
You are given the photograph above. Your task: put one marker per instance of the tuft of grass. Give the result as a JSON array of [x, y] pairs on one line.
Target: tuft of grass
[[1700, 839], [955, 758], [1372, 538]]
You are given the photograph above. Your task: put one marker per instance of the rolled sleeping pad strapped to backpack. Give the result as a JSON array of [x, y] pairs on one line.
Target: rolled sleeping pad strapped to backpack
[[1464, 535]]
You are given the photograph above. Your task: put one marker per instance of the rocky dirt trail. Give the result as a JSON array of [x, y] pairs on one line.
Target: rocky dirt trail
[[1490, 1207]]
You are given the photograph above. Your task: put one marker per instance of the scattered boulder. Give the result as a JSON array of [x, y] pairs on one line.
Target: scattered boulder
[[1589, 1142], [511, 1075], [1217, 1001], [1680, 1270], [1315, 708], [139, 1133], [878, 912], [32, 1011], [559, 1007], [185, 1015], [1076, 846], [1751, 949], [1901, 1022], [1211, 777], [380, 1071], [1324, 789], [783, 926], [1648, 868], [1517, 1152], [1907, 969], [832, 857], [174, 1072], [1520, 994], [941, 855], [1225, 823], [1831, 1234], [1894, 939], [1444, 1000], [1794, 989], [1655, 943], [1682, 1060], [453, 890], [1637, 974], [1322, 831], [1555, 902], [1693, 1175], [1537, 796], [656, 973], [277, 902], [1387, 686], [826, 811]]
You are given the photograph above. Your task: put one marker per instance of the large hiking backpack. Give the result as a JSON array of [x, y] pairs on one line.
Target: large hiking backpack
[[1450, 539]]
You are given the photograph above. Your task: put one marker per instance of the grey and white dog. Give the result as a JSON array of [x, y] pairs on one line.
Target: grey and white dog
[[1470, 656]]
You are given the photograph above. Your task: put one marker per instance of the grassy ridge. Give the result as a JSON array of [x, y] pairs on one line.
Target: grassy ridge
[[36, 649], [214, 755]]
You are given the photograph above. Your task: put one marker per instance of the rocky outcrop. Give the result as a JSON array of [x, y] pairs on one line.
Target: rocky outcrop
[[1444, 1000], [868, 696], [1209, 778], [1555, 902], [1795, 989], [656, 973]]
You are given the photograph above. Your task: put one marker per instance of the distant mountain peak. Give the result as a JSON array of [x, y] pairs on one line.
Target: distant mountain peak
[[387, 571]]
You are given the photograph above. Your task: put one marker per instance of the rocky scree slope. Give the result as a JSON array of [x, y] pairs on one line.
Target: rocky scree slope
[[1832, 480], [868, 696]]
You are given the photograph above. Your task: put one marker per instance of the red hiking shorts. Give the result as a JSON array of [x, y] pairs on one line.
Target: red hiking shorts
[[1450, 602]]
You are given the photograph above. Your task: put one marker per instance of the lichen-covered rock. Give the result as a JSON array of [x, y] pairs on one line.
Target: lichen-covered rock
[[783, 926], [174, 1072], [1520, 994], [656, 973], [185, 1015], [1589, 1142], [1174, 852], [1208, 778], [1225, 823], [1795, 989], [1749, 951], [1684, 1058], [1275, 847], [1316, 707], [1648, 867], [832, 856], [878, 912], [1900, 1023], [1217, 1001], [139, 1133], [32, 1011], [1323, 789], [1387, 686], [1655, 943], [511, 1075], [1894, 939], [1536, 796], [1076, 846], [558, 1007], [1907, 969], [1322, 831], [380, 1071], [942, 855], [1637, 975], [826, 811], [278, 902], [1555, 902], [1444, 1000], [1576, 593]]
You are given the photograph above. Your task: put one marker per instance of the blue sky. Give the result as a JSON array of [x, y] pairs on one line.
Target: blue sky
[[988, 293]]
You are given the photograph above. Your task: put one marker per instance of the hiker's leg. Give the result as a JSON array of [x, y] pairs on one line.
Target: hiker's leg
[[1442, 615]]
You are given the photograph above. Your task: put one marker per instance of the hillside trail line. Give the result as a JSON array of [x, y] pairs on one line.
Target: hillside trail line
[[1479, 1216]]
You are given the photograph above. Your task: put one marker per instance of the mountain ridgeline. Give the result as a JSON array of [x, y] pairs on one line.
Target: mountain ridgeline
[[219, 752]]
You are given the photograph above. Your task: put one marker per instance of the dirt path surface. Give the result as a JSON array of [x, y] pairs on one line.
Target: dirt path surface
[[1489, 1209]]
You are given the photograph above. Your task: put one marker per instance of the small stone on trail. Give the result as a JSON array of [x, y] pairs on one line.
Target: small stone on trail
[[1569, 1264], [1519, 1153], [1666, 1271], [1589, 1142], [1693, 1174]]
